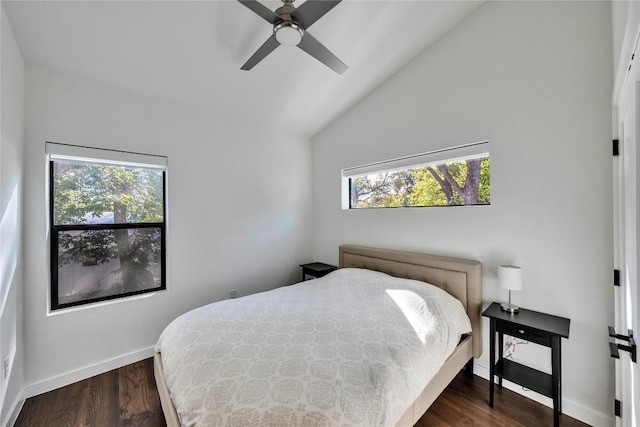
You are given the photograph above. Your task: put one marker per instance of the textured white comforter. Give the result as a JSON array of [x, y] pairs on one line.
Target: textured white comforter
[[355, 347]]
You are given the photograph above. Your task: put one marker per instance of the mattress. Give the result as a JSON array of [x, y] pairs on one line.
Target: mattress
[[353, 348]]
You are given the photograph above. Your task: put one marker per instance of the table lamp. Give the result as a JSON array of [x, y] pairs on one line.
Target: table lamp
[[510, 277]]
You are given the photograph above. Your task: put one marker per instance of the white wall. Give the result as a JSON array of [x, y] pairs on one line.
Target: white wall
[[619, 17], [238, 218], [534, 78], [11, 186]]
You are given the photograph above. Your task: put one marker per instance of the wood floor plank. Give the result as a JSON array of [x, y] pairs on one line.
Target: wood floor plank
[[136, 398], [68, 406], [154, 397], [36, 411], [128, 397], [101, 401]]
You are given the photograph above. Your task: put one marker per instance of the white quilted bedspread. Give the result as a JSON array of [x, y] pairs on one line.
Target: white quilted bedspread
[[356, 347]]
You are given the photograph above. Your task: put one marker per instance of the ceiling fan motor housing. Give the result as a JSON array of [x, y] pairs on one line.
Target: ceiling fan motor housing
[[288, 32]]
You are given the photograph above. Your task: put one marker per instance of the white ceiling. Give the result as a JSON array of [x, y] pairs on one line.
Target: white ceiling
[[191, 52]]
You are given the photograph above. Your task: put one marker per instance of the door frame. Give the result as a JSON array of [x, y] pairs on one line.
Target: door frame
[[626, 210], [626, 227]]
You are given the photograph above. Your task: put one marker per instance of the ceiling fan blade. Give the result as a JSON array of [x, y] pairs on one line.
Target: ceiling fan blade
[[260, 9], [264, 50], [316, 49], [312, 10]]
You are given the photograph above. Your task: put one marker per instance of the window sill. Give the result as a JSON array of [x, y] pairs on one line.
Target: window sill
[[93, 305]]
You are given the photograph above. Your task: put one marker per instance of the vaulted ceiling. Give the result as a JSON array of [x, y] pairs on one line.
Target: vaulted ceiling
[[190, 52]]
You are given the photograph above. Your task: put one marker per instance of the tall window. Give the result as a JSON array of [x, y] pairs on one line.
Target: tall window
[[107, 219], [450, 177]]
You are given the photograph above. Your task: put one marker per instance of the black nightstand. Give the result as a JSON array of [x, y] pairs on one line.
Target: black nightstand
[[316, 269], [540, 328]]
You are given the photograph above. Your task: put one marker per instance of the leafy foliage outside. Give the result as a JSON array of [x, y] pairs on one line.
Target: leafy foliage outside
[[102, 193], [447, 184], [96, 256]]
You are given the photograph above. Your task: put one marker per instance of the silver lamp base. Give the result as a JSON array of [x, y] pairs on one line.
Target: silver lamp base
[[510, 308]]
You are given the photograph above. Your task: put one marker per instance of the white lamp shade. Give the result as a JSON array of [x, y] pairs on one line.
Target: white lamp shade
[[510, 277]]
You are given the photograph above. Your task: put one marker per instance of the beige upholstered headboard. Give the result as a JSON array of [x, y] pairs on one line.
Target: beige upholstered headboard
[[460, 277]]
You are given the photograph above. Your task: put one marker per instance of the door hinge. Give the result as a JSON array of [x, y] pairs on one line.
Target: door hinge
[[616, 147], [615, 348], [617, 408], [616, 277]]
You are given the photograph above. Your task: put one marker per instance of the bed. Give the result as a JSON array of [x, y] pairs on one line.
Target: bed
[[459, 278]]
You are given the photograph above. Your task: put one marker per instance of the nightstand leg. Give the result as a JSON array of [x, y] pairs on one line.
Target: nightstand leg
[[492, 359], [555, 378], [500, 353], [559, 376]]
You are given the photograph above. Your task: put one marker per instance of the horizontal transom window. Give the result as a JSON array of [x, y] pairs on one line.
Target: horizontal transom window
[[450, 177]]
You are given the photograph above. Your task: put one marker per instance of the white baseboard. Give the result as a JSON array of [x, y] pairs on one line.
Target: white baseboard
[[569, 407], [15, 409], [86, 372]]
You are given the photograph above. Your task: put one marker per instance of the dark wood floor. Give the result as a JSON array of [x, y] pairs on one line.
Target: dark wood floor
[[128, 397], [123, 397], [465, 402]]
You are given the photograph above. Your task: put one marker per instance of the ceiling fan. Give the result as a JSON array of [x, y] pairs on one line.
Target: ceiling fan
[[290, 27]]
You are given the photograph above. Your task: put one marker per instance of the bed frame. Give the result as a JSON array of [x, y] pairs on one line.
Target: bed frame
[[459, 277]]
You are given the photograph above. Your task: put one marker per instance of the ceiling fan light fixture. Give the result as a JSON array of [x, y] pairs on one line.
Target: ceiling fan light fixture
[[288, 33]]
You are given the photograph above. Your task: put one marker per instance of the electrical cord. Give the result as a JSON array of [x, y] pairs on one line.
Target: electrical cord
[[510, 347]]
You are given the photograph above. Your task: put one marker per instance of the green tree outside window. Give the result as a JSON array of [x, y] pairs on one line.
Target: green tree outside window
[[455, 183]]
